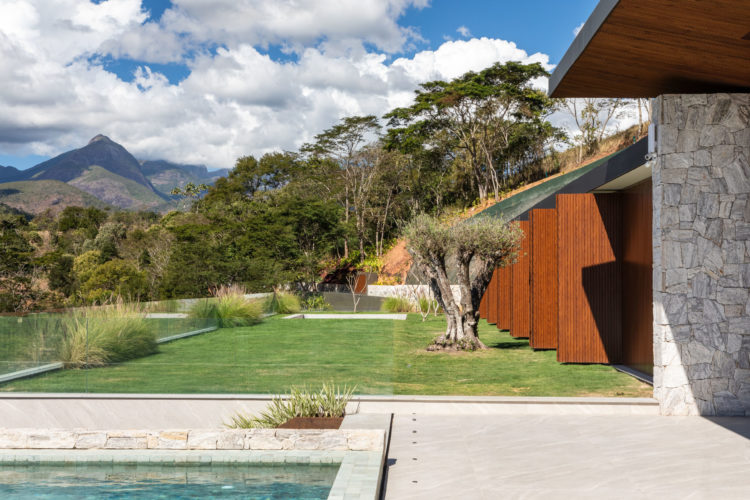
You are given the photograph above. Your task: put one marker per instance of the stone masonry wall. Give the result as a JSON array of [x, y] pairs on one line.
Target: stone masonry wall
[[701, 237]]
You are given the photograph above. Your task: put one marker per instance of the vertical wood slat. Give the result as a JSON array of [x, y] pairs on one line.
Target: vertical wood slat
[[483, 304], [637, 278], [520, 316], [491, 294], [543, 279], [589, 278], [504, 293]]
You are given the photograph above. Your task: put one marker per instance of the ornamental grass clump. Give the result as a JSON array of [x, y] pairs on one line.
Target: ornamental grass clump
[[283, 303], [330, 401], [397, 305], [229, 307], [96, 336]]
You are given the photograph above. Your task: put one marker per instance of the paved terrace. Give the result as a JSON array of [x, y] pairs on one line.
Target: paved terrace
[[434, 456]]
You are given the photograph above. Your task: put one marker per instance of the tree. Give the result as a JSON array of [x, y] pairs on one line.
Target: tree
[[115, 278], [346, 145], [17, 292], [478, 115], [592, 117], [476, 247]]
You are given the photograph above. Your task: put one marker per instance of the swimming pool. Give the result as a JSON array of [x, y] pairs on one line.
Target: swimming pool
[[110, 481]]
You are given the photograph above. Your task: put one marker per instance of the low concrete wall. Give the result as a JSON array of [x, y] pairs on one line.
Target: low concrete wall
[[170, 411], [406, 290]]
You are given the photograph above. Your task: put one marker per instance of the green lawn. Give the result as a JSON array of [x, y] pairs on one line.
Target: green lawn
[[379, 356]]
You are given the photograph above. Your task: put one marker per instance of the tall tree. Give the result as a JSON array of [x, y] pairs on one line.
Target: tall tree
[[478, 115], [347, 145]]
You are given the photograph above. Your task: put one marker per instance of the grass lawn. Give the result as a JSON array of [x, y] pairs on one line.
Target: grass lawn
[[379, 356]]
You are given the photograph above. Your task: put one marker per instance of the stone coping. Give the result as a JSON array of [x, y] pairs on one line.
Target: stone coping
[[194, 439]]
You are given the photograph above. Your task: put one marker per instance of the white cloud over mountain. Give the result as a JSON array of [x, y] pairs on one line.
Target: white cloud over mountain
[[236, 100]]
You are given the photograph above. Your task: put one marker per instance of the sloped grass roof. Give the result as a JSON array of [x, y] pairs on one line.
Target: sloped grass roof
[[519, 203]]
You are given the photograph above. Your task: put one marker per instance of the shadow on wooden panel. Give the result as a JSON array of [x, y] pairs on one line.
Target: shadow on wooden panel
[[589, 284], [492, 300]]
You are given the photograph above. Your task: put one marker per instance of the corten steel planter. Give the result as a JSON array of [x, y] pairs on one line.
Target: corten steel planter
[[312, 423]]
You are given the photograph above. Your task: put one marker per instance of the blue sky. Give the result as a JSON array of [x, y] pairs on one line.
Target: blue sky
[[246, 76]]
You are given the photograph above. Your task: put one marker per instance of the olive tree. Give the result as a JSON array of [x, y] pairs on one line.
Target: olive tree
[[473, 248]]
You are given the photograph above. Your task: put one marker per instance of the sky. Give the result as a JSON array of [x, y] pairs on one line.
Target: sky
[[205, 82]]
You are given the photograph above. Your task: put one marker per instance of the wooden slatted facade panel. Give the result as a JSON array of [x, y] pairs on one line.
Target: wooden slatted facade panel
[[520, 316], [492, 300], [589, 278], [504, 293], [637, 278], [544, 279], [483, 305]]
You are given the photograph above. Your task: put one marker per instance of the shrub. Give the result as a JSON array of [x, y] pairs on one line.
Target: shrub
[[229, 307], [397, 305], [315, 303], [283, 303], [301, 402], [426, 305], [95, 336]]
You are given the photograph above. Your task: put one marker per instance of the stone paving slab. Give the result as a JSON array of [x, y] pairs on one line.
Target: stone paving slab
[[556, 456]]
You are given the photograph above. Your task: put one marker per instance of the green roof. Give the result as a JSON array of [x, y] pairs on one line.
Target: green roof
[[512, 207]]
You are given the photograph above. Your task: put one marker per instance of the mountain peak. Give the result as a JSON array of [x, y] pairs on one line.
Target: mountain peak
[[100, 137]]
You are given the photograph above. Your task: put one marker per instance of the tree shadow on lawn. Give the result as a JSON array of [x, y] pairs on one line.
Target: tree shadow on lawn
[[507, 345]]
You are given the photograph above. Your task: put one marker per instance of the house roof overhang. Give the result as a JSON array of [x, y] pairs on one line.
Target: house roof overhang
[[646, 48]]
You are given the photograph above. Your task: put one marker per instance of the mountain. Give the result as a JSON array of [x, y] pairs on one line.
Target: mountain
[[34, 197], [8, 174], [101, 151], [107, 173], [165, 175]]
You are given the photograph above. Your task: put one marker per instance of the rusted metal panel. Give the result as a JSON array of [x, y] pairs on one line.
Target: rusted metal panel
[[520, 303], [504, 293], [543, 279], [589, 278], [637, 278]]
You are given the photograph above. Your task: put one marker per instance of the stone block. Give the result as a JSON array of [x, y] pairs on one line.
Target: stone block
[[674, 376], [687, 213], [12, 438], [723, 365], [732, 295], [734, 343], [688, 140], [667, 138], [712, 312], [670, 217], [231, 440], [736, 178], [689, 194], [52, 440], [702, 158], [365, 440], [203, 439], [263, 439], [715, 231], [91, 440], [698, 176], [728, 405], [714, 135], [672, 194], [697, 353], [172, 440], [333, 441], [722, 156], [708, 205], [127, 443], [701, 371]]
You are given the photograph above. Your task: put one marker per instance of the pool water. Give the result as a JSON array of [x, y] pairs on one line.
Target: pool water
[[84, 481]]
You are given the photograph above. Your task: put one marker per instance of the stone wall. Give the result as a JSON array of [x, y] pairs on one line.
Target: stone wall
[[184, 439], [701, 236]]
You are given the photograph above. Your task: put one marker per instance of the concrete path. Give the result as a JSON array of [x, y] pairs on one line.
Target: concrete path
[[565, 456]]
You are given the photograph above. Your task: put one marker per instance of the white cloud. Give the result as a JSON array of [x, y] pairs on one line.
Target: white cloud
[[236, 100], [578, 28], [463, 31]]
